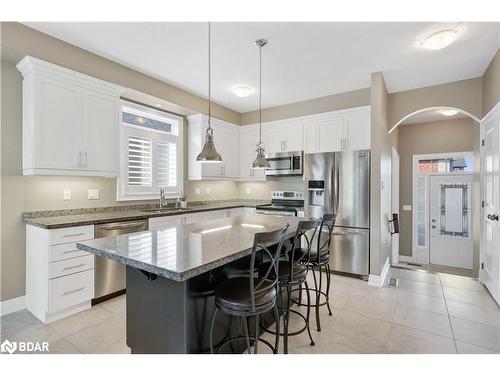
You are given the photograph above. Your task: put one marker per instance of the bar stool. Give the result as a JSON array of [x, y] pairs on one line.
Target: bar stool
[[319, 261], [251, 296], [292, 274]]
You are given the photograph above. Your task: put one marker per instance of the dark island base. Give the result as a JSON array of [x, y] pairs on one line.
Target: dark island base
[[169, 317]]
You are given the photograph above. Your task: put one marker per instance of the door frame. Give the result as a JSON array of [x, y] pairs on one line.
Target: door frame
[[481, 188], [421, 254], [395, 202]]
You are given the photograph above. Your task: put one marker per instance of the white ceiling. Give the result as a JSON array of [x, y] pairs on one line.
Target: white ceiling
[[301, 61]]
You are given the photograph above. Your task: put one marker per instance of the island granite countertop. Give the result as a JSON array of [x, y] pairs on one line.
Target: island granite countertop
[[184, 251], [100, 215]]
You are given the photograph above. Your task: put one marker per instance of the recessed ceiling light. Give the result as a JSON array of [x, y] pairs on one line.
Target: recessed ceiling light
[[448, 112], [242, 91], [159, 105], [439, 40]]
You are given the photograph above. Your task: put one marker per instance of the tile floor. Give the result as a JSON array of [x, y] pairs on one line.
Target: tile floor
[[426, 313]]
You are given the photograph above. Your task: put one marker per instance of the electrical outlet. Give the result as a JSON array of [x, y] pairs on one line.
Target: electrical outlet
[[207, 191], [67, 194], [248, 190], [197, 191], [93, 194], [406, 207]]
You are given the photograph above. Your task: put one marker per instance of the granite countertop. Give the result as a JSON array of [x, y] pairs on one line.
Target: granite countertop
[[90, 216], [184, 251]]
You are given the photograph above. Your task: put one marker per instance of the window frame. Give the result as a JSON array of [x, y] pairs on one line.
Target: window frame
[[126, 192]]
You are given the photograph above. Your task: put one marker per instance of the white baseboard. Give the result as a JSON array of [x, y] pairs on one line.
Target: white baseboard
[[12, 305], [405, 258], [380, 280]]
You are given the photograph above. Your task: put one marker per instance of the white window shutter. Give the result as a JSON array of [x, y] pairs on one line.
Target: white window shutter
[[139, 161]]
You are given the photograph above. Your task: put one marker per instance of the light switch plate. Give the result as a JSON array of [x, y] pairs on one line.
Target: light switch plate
[[197, 191], [207, 191], [406, 207], [93, 194], [67, 194], [248, 190]]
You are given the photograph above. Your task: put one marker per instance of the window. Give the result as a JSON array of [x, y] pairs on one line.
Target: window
[[150, 153], [446, 165]]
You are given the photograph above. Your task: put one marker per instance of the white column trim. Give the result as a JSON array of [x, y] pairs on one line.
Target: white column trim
[[379, 281]]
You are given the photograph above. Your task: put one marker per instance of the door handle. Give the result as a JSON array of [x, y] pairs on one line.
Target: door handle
[[492, 217]]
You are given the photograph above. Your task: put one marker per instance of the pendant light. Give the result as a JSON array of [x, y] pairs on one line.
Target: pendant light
[[260, 161], [209, 154]]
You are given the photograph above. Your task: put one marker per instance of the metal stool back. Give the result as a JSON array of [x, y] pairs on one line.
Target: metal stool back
[[265, 290]]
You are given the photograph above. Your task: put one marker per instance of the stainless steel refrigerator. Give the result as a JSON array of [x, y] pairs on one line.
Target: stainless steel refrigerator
[[340, 182]]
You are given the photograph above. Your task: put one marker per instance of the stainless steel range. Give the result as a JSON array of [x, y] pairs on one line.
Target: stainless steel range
[[284, 203]]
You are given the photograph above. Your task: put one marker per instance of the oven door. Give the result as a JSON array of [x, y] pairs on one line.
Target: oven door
[[284, 164]]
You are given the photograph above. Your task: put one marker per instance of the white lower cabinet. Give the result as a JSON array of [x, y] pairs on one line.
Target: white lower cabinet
[[156, 223], [59, 277]]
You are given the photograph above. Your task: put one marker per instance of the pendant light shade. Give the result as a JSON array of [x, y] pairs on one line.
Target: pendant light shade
[[260, 161], [209, 154]]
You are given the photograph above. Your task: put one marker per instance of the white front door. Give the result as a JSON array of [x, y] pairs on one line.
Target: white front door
[[451, 221], [490, 249]]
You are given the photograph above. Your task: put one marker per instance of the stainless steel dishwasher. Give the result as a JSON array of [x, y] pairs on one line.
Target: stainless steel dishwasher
[[110, 275]]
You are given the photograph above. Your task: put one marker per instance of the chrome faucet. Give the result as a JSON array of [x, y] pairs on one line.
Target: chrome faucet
[[163, 203]]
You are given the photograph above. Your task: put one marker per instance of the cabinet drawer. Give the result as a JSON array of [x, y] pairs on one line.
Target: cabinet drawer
[[65, 251], [73, 234], [69, 266], [71, 290]]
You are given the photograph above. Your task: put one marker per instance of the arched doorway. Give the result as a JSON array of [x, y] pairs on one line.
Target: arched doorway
[[436, 144]]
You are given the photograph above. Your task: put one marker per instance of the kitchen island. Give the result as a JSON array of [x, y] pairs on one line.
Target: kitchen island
[[171, 276]]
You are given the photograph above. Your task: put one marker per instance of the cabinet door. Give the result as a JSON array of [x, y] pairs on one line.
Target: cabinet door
[[230, 154], [164, 222], [213, 169], [310, 138], [293, 138], [330, 136], [100, 132], [273, 138], [57, 125], [358, 133], [248, 142]]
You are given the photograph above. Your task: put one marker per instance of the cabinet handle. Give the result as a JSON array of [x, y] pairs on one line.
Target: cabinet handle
[[73, 291], [71, 251], [346, 143], [79, 158], [85, 153], [73, 235], [71, 267]]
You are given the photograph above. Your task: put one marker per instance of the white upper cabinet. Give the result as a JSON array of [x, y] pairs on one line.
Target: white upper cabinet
[[70, 121], [227, 141], [249, 136], [343, 130], [283, 137]]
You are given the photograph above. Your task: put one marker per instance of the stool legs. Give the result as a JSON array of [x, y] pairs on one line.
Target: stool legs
[[308, 311], [212, 332], [328, 279], [277, 320]]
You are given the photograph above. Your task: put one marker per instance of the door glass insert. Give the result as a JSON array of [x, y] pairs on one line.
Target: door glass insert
[[455, 219], [446, 165]]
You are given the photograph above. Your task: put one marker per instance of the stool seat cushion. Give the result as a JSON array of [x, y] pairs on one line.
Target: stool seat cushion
[[233, 295], [301, 254]]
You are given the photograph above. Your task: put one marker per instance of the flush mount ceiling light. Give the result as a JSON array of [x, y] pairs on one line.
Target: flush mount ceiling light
[[448, 112], [242, 91], [439, 40], [260, 161], [209, 154]]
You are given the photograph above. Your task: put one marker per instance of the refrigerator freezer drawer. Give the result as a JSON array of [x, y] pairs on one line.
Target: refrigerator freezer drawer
[[350, 250]]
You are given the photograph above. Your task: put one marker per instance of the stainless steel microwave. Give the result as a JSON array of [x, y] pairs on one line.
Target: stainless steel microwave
[[285, 163]]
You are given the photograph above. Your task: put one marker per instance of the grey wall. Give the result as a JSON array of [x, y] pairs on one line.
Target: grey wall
[[491, 84], [426, 138]]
